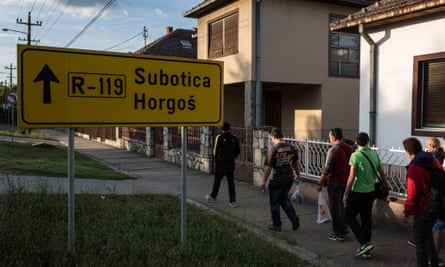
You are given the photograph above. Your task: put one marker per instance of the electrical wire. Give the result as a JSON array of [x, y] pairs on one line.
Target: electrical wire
[[126, 41], [90, 23]]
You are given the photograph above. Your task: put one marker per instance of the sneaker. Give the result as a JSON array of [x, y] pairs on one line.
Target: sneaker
[[334, 237], [232, 204], [440, 262], [367, 255], [210, 199], [411, 242], [274, 228], [364, 249], [296, 224]]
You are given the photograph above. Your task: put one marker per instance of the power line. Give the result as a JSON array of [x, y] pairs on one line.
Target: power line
[[126, 41], [90, 23]]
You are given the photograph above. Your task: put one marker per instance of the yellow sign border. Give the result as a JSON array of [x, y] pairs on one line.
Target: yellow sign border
[[211, 119]]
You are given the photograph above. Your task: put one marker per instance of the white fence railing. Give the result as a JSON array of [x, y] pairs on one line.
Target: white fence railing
[[312, 156]]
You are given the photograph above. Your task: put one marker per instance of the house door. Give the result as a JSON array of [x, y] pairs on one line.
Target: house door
[[273, 109]]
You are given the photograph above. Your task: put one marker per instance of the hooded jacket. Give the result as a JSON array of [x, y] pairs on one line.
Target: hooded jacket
[[418, 181]]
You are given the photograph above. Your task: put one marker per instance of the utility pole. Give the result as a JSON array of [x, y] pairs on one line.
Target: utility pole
[[29, 24], [145, 37], [10, 68]]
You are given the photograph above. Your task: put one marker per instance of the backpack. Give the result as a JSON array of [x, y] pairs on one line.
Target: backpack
[[436, 201], [227, 147]]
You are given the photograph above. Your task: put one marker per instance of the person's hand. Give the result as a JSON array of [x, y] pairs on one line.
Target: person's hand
[[345, 200], [319, 187], [263, 186], [404, 218]]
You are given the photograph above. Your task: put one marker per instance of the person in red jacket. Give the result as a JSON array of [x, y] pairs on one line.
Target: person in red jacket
[[416, 203]]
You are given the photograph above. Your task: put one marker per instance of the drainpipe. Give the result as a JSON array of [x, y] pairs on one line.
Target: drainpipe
[[258, 89], [372, 83]]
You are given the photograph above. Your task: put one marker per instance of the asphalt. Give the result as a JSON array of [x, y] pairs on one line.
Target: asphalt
[[310, 242]]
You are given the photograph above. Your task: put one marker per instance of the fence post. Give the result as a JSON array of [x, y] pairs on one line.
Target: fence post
[[306, 156]]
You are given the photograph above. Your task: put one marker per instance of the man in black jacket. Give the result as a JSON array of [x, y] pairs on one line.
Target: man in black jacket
[[225, 150]]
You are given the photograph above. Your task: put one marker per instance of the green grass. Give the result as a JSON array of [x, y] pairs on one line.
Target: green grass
[[26, 159], [134, 230], [6, 129]]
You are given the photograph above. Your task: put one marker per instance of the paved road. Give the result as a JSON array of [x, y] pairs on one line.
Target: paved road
[[310, 242]]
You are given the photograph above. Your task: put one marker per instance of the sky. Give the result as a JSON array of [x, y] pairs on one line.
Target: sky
[[105, 25]]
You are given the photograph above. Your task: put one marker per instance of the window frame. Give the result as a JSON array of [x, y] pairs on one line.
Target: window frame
[[417, 127], [339, 47], [233, 47]]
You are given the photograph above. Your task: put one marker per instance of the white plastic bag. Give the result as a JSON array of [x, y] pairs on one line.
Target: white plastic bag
[[324, 215], [297, 195]]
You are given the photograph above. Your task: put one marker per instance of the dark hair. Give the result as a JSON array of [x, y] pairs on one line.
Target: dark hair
[[362, 139], [412, 145], [276, 132], [225, 127], [337, 133]]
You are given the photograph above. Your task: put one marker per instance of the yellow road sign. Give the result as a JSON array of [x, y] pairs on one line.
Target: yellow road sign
[[59, 87]]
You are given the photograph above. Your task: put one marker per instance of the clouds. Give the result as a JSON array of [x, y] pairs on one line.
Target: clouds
[[160, 13]]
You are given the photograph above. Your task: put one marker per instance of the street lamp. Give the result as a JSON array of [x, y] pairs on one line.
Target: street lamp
[[11, 30]]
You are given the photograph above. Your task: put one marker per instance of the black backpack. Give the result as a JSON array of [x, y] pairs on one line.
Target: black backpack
[[227, 147], [436, 201]]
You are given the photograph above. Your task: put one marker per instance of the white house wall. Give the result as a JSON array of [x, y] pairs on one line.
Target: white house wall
[[395, 76]]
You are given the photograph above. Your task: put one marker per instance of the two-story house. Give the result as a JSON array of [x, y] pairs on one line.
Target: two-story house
[[282, 65], [402, 87]]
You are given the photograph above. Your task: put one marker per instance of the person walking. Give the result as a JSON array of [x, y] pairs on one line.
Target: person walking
[[282, 157], [335, 174], [359, 193], [226, 148], [433, 146], [416, 203]]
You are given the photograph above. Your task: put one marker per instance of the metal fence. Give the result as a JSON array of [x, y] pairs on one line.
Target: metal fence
[[312, 156]]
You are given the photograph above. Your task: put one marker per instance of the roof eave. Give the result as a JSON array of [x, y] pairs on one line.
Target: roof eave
[[415, 11], [205, 8]]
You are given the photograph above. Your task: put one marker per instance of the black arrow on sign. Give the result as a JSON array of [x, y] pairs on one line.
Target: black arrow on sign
[[46, 75]]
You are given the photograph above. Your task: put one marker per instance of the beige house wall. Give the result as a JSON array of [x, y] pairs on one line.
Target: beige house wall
[[238, 67], [294, 50]]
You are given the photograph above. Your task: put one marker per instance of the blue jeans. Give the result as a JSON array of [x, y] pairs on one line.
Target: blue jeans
[[422, 228], [279, 196]]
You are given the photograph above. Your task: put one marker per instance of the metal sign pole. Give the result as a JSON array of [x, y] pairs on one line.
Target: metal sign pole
[[71, 191], [183, 186]]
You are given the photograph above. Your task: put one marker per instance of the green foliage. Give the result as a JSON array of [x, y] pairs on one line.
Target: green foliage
[[136, 230], [26, 159]]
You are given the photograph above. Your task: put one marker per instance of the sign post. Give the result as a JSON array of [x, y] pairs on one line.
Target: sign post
[[59, 87]]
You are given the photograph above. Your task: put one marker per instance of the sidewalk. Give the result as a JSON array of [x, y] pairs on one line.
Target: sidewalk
[[309, 242]]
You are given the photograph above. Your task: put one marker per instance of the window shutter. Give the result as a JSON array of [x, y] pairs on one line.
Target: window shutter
[[434, 94], [231, 35], [215, 39]]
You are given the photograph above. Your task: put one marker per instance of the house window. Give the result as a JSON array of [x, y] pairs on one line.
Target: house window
[[223, 36], [344, 52], [429, 95]]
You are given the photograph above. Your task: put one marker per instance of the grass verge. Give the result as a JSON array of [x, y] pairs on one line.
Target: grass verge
[[26, 159], [132, 230]]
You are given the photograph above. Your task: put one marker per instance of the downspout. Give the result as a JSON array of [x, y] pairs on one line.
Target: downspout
[[258, 89], [372, 84]]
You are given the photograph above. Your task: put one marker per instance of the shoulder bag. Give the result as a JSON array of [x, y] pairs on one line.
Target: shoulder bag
[[380, 188]]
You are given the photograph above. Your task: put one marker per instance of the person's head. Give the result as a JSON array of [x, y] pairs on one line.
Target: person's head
[[362, 139], [225, 127], [276, 134], [412, 146], [432, 144], [335, 134]]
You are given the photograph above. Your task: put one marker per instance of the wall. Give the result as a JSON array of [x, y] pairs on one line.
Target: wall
[[294, 54], [395, 75], [238, 67]]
